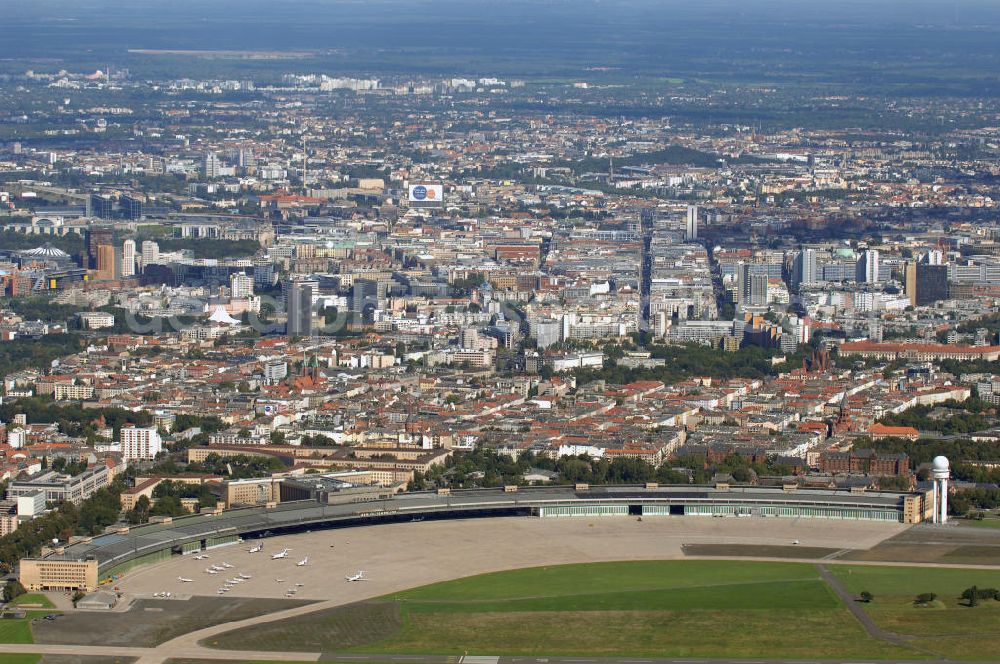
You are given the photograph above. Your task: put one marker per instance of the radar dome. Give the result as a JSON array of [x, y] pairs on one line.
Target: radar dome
[[940, 463]]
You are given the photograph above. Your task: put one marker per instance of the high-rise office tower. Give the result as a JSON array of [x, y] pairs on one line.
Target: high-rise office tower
[[299, 308], [128, 259], [367, 295], [804, 269], [751, 285], [211, 165], [758, 290], [866, 269], [245, 158], [96, 237], [102, 206], [263, 273], [926, 284], [106, 262], [131, 207], [691, 230], [240, 285], [150, 253]]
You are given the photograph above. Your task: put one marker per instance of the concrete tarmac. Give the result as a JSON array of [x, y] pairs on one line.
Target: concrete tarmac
[[401, 556]]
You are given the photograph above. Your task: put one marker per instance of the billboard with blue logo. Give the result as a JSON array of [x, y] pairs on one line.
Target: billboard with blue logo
[[426, 194]]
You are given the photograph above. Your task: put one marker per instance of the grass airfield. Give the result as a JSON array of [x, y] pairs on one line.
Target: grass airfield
[[506, 587], [692, 608]]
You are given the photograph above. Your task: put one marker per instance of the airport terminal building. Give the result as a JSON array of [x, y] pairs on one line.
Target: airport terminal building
[[87, 562]]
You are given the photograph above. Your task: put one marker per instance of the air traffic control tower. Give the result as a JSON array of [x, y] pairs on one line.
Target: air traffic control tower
[[940, 472]]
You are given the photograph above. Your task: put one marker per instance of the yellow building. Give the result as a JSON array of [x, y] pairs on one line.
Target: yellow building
[[58, 574], [918, 507]]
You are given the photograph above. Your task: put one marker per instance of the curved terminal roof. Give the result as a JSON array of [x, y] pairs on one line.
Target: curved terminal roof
[[114, 549]]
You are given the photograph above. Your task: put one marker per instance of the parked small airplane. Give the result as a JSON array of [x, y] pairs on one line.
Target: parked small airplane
[[201, 557], [281, 554], [280, 580], [303, 562], [360, 576], [228, 566], [209, 570], [245, 576], [184, 580], [256, 549]]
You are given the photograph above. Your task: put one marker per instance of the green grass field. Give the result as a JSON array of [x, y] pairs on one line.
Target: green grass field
[[15, 631], [948, 628], [613, 609], [21, 658], [182, 660], [34, 599], [685, 608], [18, 630]]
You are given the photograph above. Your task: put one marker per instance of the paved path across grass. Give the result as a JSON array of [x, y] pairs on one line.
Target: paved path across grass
[[851, 602]]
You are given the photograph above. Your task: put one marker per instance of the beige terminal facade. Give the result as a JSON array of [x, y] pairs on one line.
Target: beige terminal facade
[[55, 573]]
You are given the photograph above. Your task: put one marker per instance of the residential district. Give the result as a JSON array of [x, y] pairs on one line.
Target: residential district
[[211, 299]]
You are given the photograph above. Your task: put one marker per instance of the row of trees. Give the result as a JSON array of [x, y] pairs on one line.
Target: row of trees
[[684, 361], [203, 248], [71, 243], [12, 590], [967, 416], [26, 353], [74, 419], [241, 466], [167, 497], [41, 308], [964, 454], [972, 596], [91, 517], [487, 468]]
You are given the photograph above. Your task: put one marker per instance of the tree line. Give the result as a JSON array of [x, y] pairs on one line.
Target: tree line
[[967, 416], [91, 517], [26, 353], [74, 419]]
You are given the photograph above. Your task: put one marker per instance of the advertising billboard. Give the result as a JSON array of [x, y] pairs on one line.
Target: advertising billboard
[[426, 194]]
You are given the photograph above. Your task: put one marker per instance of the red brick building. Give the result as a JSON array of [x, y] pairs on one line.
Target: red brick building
[[865, 462]]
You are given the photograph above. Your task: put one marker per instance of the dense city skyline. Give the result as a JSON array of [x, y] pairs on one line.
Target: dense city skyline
[[499, 332]]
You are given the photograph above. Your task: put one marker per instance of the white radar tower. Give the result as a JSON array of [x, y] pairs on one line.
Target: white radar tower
[[940, 471]]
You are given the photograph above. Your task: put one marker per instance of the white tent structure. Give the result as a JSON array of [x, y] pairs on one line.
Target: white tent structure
[[221, 317]]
